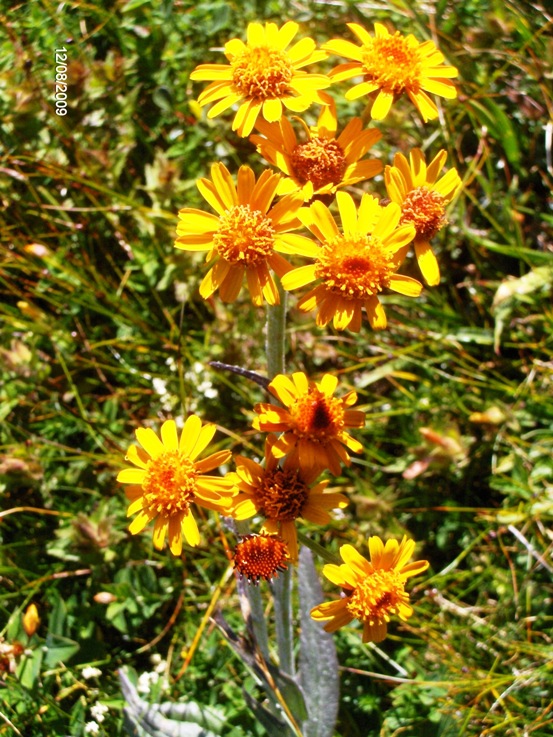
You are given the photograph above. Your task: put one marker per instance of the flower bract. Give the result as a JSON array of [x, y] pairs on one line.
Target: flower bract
[[282, 494], [313, 422], [263, 76], [244, 237], [169, 478], [324, 161], [390, 65], [354, 265], [422, 196], [373, 590]]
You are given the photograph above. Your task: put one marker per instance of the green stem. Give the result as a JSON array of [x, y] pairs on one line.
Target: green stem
[[276, 335], [282, 586]]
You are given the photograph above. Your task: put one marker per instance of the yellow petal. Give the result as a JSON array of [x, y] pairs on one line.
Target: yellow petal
[[190, 530], [428, 263]]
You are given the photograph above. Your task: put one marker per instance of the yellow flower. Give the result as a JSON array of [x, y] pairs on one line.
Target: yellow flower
[[263, 76], [312, 421], [245, 235], [392, 64], [168, 479], [373, 590], [324, 162], [31, 620], [353, 266], [282, 494], [422, 198]]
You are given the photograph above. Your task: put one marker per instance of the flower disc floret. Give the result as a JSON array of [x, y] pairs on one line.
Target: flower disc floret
[[425, 209], [392, 63], [260, 556], [377, 597], [282, 495], [355, 267], [319, 161], [244, 236], [263, 73], [169, 484]]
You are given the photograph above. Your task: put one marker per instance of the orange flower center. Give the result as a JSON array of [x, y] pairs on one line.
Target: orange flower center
[[319, 161], [282, 495], [378, 596], [393, 63], [317, 417], [355, 266], [424, 208], [260, 556], [262, 73], [170, 484], [245, 236]]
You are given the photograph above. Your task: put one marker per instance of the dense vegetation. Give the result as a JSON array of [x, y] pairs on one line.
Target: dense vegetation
[[102, 330]]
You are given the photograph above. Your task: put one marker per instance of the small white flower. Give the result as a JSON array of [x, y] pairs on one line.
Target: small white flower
[[98, 711], [145, 681], [92, 728], [90, 672]]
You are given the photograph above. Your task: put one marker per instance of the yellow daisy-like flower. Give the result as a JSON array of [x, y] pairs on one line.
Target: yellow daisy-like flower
[[324, 162], [422, 198], [245, 235], [374, 590], [282, 494], [313, 422], [169, 478], [263, 76], [355, 265], [392, 64]]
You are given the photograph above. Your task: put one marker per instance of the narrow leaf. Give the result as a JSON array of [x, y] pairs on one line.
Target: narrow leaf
[[318, 662]]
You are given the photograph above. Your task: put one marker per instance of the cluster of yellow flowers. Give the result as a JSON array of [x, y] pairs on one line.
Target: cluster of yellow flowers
[[255, 226]]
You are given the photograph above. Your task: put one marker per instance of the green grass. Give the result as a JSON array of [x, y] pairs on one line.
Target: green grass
[[97, 308]]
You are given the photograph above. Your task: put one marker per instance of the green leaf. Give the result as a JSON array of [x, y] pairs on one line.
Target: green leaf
[[59, 650], [499, 125], [274, 726], [318, 662]]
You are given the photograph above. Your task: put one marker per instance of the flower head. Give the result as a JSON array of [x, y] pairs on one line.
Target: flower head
[[282, 495], [260, 556], [263, 76], [313, 422], [323, 162], [243, 238], [353, 266], [392, 64], [374, 590], [415, 187], [169, 479]]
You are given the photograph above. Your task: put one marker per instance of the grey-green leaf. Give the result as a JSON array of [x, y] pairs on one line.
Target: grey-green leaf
[[318, 662], [168, 719]]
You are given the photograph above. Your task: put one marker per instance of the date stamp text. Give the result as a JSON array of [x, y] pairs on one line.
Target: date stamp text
[[60, 95]]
